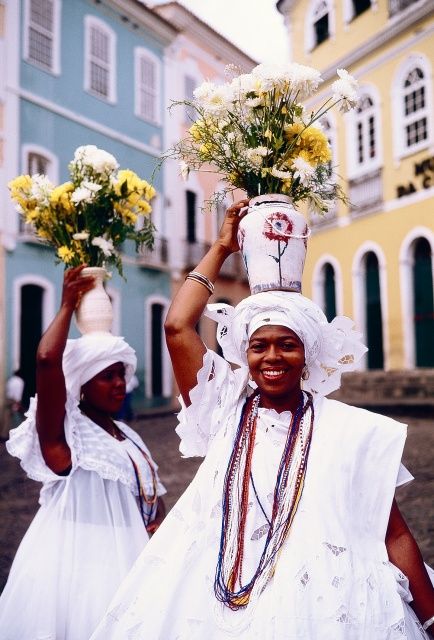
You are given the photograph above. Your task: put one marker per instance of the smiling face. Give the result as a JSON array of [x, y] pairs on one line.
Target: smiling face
[[105, 392], [275, 356]]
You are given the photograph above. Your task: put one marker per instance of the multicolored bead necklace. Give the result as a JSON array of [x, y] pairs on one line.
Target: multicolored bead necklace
[[287, 493]]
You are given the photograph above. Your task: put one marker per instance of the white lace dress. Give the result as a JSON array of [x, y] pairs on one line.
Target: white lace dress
[[85, 536], [333, 580]]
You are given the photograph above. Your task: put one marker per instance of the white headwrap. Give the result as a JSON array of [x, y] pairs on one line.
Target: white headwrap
[[330, 347], [84, 357]]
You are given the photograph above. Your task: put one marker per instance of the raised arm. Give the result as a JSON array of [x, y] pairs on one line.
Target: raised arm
[[50, 381], [185, 345], [405, 554]]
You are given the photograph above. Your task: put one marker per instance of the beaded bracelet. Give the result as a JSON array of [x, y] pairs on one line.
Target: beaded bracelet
[[428, 623], [201, 279]]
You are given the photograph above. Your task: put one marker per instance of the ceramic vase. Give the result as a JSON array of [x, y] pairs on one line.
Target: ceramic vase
[[273, 242], [95, 312]]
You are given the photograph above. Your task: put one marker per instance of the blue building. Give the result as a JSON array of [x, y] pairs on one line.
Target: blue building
[[83, 72]]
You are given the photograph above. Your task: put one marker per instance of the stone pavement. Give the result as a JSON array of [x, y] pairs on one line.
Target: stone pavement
[[18, 495]]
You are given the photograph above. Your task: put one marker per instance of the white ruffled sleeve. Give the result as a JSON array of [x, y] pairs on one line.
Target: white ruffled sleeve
[[213, 403], [24, 444]]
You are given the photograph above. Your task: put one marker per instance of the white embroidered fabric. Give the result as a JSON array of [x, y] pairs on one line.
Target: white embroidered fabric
[[85, 536], [333, 580]]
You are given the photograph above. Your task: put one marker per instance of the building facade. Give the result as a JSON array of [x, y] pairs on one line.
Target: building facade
[[372, 258], [197, 54], [75, 73]]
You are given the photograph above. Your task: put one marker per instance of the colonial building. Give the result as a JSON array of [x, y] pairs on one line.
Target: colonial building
[[197, 54], [372, 259], [74, 73]]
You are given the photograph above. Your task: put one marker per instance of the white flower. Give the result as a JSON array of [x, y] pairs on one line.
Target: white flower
[[282, 175], [106, 246], [244, 84], [80, 236], [303, 170], [254, 102], [345, 90], [303, 79], [41, 189], [184, 170], [100, 161], [255, 156], [83, 194]]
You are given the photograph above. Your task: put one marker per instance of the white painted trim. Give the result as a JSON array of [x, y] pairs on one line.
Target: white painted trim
[[355, 170], [407, 201], [359, 296], [309, 34], [166, 366], [53, 166], [87, 122], [400, 149], [406, 262], [141, 53], [318, 282], [89, 22], [55, 66], [48, 308]]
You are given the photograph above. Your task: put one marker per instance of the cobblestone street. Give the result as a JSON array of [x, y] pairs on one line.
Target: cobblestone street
[[18, 495]]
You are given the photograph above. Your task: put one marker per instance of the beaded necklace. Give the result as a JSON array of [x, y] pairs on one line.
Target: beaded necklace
[[228, 587], [148, 504]]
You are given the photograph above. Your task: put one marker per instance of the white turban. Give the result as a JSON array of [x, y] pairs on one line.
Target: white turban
[[84, 357], [330, 348]]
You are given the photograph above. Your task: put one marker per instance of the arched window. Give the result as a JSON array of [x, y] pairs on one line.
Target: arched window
[[329, 292], [373, 312], [423, 307], [412, 93], [319, 23], [147, 86], [100, 59], [366, 131], [36, 159]]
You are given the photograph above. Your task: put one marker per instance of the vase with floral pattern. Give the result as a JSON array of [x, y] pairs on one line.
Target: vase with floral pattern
[[273, 242]]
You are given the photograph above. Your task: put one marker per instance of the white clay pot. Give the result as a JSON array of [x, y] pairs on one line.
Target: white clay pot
[[273, 242], [95, 312]]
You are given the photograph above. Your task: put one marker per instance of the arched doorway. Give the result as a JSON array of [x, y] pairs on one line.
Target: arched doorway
[[374, 320], [157, 311], [30, 332], [329, 292], [423, 306]]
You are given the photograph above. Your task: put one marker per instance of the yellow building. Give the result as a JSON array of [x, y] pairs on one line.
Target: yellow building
[[372, 259]]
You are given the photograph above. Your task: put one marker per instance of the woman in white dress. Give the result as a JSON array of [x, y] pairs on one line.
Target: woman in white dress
[[100, 494], [289, 531]]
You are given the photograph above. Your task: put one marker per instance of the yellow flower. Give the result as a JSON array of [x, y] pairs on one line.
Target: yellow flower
[[144, 207], [311, 143], [21, 183], [65, 254], [197, 130], [61, 196]]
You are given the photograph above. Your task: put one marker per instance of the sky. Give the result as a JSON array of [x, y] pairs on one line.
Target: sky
[[255, 26]]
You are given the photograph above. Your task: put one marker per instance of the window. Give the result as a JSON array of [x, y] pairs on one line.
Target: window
[[100, 59], [374, 321], [37, 160], [366, 132], [415, 117], [423, 307], [42, 33], [329, 292], [147, 98], [189, 87], [412, 91], [321, 23], [360, 6]]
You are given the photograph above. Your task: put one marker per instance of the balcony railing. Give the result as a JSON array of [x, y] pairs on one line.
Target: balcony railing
[[396, 6], [156, 257], [233, 266], [366, 193]]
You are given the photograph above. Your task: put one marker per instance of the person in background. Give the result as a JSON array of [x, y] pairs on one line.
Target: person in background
[[126, 413], [14, 409], [101, 494]]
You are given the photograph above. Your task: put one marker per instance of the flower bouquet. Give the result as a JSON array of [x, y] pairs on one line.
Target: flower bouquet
[[88, 218], [255, 132]]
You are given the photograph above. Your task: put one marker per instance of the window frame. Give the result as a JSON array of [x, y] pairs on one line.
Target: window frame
[[401, 149], [141, 54], [311, 20], [54, 67], [92, 22], [358, 169]]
